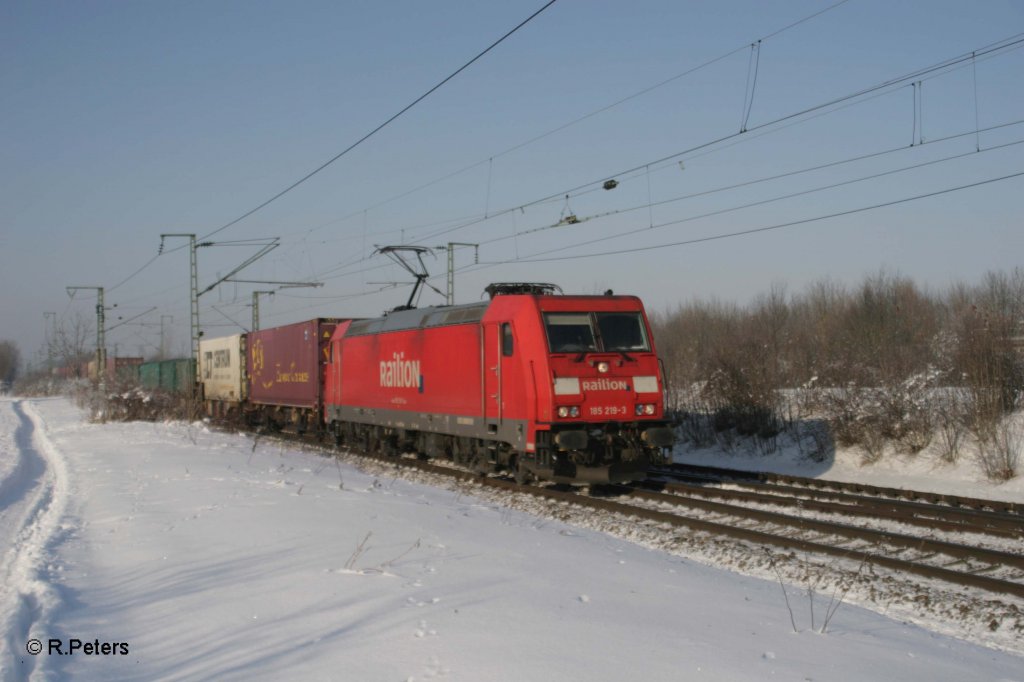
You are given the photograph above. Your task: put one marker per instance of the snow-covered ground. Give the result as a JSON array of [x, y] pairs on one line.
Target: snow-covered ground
[[925, 471], [204, 556]]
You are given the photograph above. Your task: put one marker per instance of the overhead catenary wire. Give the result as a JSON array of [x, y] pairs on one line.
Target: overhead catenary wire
[[354, 144], [686, 242], [647, 168], [511, 149], [537, 258], [716, 145], [973, 57], [537, 138], [380, 127], [715, 190], [710, 191], [778, 226], [1011, 42], [761, 202]]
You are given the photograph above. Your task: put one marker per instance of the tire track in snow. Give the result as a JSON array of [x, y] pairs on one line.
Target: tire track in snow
[[33, 498]]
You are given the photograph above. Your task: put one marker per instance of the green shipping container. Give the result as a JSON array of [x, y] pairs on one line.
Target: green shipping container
[[172, 376]]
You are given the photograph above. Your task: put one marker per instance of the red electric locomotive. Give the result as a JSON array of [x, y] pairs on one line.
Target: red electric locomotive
[[563, 388]]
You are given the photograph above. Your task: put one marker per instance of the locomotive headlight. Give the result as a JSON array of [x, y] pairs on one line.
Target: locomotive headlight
[[563, 411], [645, 409], [648, 409], [574, 411], [639, 409], [602, 367]]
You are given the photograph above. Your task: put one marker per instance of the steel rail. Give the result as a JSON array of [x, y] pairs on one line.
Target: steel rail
[[1011, 508], [914, 513], [995, 557]]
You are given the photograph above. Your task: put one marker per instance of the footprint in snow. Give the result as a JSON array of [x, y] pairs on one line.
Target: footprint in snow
[[424, 631]]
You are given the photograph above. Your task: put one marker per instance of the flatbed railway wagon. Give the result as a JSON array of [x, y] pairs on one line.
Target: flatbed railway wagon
[[563, 388], [285, 369]]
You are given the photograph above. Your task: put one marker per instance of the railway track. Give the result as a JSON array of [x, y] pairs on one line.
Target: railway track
[[780, 481], [994, 570], [741, 515], [842, 499]]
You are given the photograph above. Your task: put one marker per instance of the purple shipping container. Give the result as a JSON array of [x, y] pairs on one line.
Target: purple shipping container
[[285, 364]]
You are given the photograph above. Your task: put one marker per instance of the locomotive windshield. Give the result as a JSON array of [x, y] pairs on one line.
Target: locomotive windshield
[[592, 332], [570, 332]]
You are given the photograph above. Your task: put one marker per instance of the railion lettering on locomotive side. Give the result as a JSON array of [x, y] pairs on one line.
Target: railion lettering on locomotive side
[[399, 372]]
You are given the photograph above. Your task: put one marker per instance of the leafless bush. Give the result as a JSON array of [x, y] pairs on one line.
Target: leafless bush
[[874, 361], [999, 457], [138, 404], [10, 358], [845, 412], [694, 422], [951, 438], [951, 415], [814, 440], [872, 443]]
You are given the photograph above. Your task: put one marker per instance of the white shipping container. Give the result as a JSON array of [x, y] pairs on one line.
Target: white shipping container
[[222, 368]]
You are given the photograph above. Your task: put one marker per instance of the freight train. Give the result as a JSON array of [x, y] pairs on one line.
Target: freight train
[[543, 385]]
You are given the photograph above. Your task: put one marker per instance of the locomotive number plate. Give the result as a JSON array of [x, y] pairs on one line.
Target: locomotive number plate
[[608, 411]]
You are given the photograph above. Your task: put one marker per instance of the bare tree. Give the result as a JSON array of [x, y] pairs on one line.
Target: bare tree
[[9, 360], [70, 344]]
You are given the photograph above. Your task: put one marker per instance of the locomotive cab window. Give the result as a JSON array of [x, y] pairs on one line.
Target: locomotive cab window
[[622, 332], [591, 332], [507, 344], [569, 332]]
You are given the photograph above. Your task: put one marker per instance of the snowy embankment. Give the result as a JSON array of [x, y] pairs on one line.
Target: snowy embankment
[[211, 557], [925, 470]]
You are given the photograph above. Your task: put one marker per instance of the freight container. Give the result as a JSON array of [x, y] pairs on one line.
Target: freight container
[[117, 367], [222, 373], [285, 371], [171, 376]]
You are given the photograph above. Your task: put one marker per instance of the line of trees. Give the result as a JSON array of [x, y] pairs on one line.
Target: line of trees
[[886, 365]]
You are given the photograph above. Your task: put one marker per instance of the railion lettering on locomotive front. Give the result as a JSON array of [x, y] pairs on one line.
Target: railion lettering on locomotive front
[[400, 373], [605, 385]]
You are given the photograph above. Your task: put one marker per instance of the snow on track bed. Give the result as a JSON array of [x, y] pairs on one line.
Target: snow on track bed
[[33, 497]]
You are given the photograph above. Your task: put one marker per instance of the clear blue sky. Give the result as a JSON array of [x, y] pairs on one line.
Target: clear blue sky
[[125, 120]]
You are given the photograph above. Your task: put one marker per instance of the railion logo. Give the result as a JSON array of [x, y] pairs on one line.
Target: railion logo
[[605, 385], [399, 372]]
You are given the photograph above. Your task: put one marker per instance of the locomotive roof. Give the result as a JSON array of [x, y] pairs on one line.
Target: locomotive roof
[[439, 316], [417, 318]]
